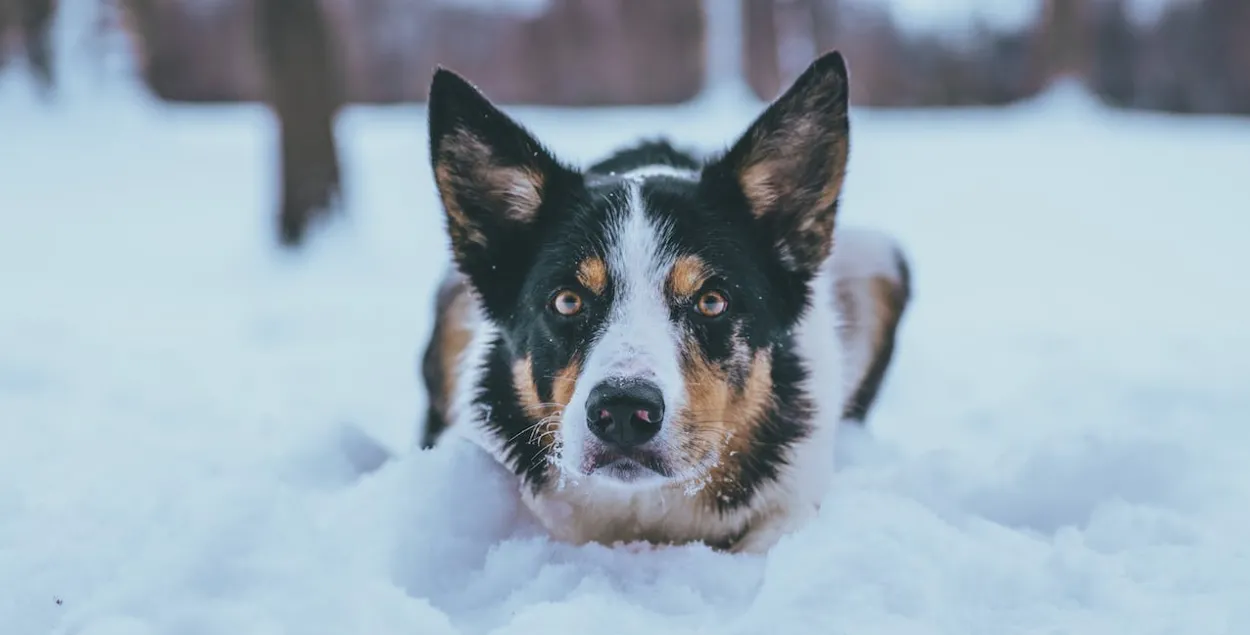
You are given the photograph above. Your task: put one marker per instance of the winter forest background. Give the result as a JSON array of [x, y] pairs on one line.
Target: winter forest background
[[194, 386], [308, 59], [1177, 56]]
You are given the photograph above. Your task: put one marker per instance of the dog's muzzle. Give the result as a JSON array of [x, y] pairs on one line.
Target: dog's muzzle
[[625, 414]]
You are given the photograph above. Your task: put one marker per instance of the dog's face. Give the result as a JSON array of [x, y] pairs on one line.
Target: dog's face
[[640, 309]]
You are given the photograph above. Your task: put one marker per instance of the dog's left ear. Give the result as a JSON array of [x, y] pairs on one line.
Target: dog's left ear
[[790, 164], [494, 178]]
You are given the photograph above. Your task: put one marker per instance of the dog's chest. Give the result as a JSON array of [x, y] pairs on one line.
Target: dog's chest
[[595, 512]]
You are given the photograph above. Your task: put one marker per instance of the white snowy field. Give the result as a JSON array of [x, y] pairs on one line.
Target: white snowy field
[[1061, 447]]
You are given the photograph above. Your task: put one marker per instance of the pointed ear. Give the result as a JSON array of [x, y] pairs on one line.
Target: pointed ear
[[493, 178], [791, 162]]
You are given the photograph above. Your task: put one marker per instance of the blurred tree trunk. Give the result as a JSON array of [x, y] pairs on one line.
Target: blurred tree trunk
[[7, 18], [760, 52], [1240, 58], [1115, 55], [304, 92], [37, 35], [1227, 29], [1066, 45], [795, 22], [32, 21]]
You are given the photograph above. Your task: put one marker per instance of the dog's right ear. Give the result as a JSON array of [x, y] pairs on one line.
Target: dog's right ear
[[790, 164], [493, 178]]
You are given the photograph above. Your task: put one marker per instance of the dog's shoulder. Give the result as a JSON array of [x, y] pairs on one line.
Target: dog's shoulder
[[873, 288]]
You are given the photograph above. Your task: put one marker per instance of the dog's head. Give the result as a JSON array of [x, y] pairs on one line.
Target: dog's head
[[641, 311]]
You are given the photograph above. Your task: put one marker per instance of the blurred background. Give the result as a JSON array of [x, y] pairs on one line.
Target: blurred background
[[1177, 56], [180, 352], [307, 59]]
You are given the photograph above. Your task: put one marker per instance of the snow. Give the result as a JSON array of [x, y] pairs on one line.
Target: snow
[[723, 43], [956, 15], [184, 411]]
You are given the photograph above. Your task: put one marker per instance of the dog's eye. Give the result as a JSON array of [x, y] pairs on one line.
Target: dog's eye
[[567, 303], [711, 304]]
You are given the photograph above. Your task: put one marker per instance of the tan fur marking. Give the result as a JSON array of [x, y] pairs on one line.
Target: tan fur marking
[[757, 185], [886, 312], [834, 186], [885, 308], [761, 187], [564, 384], [459, 225], [466, 162], [593, 274], [546, 415], [719, 417], [872, 308], [745, 411], [687, 276], [522, 188], [454, 336]]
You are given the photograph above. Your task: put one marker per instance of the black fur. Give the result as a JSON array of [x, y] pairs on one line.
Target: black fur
[[472, 141], [657, 151], [761, 252], [800, 146]]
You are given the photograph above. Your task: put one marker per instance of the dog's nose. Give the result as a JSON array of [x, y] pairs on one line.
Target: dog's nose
[[625, 414]]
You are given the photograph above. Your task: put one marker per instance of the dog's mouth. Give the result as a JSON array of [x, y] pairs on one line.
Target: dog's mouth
[[626, 466]]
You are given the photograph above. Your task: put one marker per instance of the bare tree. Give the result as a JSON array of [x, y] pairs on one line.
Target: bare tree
[[1225, 26], [795, 24], [1115, 54], [1066, 38], [8, 16], [305, 93], [32, 20], [37, 36]]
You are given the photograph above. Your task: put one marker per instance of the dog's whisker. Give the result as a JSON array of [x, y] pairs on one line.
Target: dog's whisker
[[523, 431]]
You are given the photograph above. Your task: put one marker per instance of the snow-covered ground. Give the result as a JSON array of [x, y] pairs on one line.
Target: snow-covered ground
[[1062, 446]]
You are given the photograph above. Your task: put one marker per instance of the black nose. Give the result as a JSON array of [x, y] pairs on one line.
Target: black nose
[[625, 414]]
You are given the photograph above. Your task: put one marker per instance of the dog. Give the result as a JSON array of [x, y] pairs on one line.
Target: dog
[[661, 347]]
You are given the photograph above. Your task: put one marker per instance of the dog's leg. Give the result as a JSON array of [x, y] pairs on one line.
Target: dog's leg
[[448, 339], [873, 289]]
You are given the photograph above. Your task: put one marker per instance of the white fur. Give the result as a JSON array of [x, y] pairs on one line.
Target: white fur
[[638, 174], [639, 340], [594, 509]]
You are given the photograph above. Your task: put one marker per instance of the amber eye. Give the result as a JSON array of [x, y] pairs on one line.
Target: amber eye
[[711, 304], [567, 303]]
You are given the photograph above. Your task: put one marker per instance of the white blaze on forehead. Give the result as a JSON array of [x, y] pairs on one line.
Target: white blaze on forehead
[[641, 174], [638, 340], [638, 174]]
